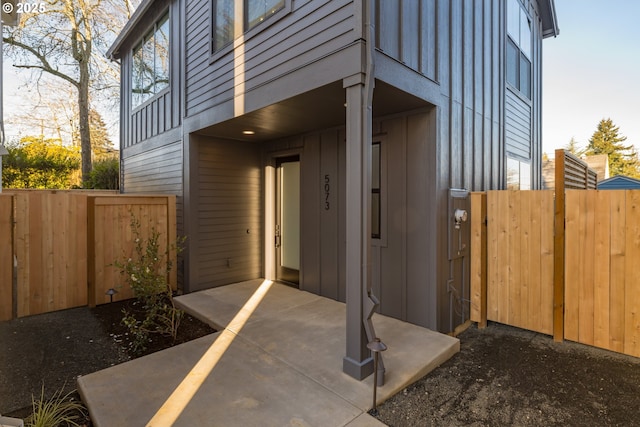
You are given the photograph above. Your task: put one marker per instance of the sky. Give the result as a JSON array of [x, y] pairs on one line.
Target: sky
[[591, 71]]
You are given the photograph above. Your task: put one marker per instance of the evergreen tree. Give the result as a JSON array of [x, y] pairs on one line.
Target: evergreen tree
[[100, 141], [574, 148], [101, 145], [607, 140]]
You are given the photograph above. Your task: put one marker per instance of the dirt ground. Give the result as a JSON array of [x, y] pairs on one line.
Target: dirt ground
[[502, 375], [505, 376], [53, 349]]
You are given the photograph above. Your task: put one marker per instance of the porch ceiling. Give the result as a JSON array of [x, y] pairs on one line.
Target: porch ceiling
[[319, 108]]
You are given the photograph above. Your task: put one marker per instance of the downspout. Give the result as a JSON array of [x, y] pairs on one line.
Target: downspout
[[369, 300]]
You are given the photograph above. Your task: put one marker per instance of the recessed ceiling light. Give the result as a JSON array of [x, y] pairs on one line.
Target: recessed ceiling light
[[248, 132]]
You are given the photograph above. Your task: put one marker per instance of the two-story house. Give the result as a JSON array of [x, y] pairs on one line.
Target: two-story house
[[331, 144]]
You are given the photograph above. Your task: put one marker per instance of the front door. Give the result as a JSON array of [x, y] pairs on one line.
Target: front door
[[288, 220]]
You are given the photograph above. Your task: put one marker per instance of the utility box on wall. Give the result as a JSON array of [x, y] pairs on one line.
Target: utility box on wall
[[458, 214], [459, 235]]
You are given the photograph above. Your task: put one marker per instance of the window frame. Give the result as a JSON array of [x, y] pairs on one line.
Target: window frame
[[523, 171], [376, 232], [381, 240], [164, 17], [523, 56], [245, 33]]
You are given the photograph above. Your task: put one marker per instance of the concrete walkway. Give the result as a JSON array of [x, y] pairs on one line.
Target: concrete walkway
[[277, 361]]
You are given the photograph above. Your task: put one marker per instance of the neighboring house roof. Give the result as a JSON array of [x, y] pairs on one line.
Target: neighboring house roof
[[619, 182], [600, 164], [114, 50]]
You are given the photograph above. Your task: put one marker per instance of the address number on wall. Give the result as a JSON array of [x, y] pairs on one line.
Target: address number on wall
[[327, 192]]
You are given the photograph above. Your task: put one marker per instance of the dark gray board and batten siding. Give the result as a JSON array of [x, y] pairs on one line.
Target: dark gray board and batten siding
[[479, 119], [449, 54]]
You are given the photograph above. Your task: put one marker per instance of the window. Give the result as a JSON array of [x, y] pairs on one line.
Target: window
[[518, 48], [518, 175], [226, 18], [223, 22], [150, 70], [375, 190]]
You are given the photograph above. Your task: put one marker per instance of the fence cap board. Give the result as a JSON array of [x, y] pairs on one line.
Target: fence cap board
[[125, 199]]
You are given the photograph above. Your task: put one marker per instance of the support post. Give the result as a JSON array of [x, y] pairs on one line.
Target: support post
[[358, 362]]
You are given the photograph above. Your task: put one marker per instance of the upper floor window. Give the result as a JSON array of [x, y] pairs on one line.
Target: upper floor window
[[150, 70], [229, 22], [518, 48]]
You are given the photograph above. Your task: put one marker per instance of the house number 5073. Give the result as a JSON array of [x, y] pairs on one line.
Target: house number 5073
[[327, 192]]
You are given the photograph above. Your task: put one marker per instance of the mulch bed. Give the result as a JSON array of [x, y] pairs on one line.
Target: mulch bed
[[110, 317]]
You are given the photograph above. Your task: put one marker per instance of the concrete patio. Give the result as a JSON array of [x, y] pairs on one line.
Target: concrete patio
[[276, 361]]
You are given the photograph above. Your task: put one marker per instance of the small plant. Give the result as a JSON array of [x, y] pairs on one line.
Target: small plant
[[58, 411], [146, 273]]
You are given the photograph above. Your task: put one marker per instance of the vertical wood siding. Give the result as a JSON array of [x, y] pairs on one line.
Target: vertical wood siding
[[453, 47], [313, 30], [229, 218], [322, 234], [404, 259], [407, 32], [480, 120]]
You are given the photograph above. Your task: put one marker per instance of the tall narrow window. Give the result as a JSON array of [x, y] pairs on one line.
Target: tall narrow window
[[375, 190], [150, 67], [518, 48], [223, 23]]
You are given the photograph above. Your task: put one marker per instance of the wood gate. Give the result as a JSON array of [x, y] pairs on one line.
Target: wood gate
[[565, 269]]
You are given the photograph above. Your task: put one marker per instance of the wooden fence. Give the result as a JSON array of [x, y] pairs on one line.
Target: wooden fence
[[584, 287], [6, 257], [602, 269], [64, 244], [110, 227]]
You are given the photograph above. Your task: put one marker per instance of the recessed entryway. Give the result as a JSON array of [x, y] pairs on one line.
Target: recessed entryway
[[287, 227]]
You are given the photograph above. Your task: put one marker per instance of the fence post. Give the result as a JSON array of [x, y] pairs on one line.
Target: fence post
[[479, 259], [91, 251], [172, 241], [558, 249]]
